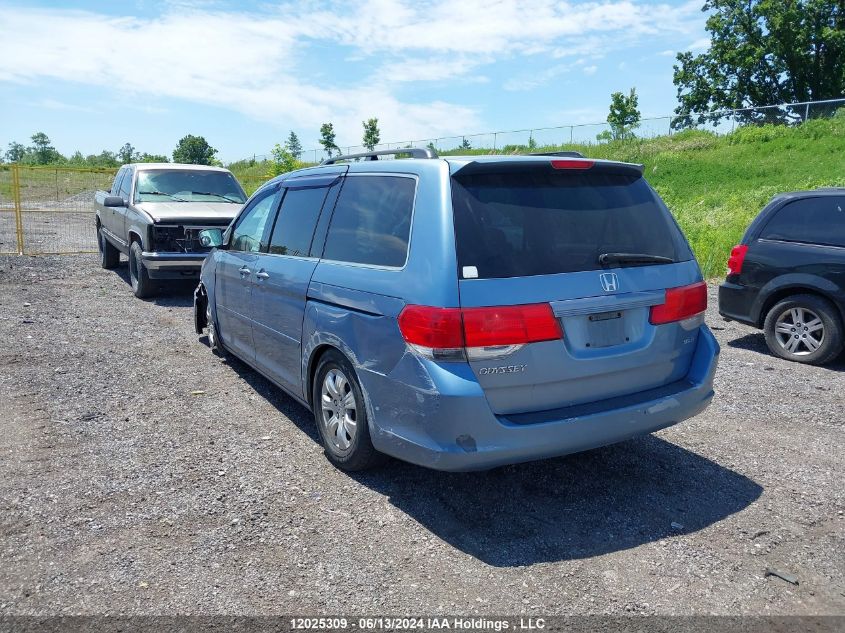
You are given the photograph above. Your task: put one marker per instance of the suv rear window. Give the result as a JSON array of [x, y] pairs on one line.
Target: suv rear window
[[541, 223]]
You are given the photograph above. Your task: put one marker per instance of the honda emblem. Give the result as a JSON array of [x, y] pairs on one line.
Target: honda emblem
[[609, 282]]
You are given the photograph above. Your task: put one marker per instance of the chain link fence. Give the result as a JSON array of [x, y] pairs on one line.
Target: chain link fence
[[530, 139], [49, 210]]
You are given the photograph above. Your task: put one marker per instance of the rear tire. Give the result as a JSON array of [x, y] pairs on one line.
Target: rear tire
[[142, 285], [109, 255], [805, 329], [341, 415]]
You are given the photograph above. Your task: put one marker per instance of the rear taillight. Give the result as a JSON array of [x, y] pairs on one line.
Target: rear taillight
[[681, 303], [737, 258], [490, 332]]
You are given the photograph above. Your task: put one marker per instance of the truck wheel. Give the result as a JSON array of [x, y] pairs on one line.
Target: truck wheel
[[142, 285], [804, 329], [341, 415], [109, 255]]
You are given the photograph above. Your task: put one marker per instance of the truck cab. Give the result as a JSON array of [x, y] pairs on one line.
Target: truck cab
[[153, 214]]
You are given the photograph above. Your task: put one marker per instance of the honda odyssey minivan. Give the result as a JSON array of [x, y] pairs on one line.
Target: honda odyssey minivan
[[464, 312]]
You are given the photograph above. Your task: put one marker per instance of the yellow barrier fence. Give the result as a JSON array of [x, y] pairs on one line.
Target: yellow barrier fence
[[49, 210]]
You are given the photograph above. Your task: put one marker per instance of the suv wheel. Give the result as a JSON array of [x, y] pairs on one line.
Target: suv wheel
[[109, 255], [142, 285], [805, 329], [341, 415]]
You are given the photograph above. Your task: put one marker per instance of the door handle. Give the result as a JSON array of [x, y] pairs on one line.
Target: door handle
[[244, 270], [262, 275]]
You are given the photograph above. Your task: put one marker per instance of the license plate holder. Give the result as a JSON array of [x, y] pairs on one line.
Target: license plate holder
[[606, 329]]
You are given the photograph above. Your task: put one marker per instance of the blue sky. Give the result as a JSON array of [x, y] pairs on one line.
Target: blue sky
[[94, 75]]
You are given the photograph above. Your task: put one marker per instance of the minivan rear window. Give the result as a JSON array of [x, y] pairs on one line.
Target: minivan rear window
[[541, 222]]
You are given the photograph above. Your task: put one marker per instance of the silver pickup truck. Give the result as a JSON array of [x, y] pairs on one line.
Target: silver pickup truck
[[153, 214]]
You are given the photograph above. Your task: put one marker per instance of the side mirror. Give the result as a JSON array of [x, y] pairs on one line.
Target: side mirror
[[114, 201], [211, 238]]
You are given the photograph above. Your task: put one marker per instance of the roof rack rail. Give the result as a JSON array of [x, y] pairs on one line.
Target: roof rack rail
[[564, 154], [415, 152]]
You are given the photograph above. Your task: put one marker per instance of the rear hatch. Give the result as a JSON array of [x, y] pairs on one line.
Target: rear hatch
[[593, 246]]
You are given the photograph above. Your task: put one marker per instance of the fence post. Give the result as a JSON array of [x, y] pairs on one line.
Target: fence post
[[807, 113], [16, 196], [571, 129], [494, 141]]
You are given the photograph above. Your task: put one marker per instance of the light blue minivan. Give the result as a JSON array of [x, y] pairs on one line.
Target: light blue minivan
[[464, 312]]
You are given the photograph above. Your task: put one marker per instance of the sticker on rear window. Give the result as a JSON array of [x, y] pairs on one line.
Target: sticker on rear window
[[470, 272]]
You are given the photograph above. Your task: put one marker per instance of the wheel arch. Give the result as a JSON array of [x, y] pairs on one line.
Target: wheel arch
[[313, 362], [803, 285]]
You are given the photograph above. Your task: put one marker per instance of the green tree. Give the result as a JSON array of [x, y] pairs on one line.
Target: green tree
[[43, 152], [103, 159], [293, 146], [151, 158], [465, 144], [327, 136], [372, 135], [283, 161], [194, 150], [763, 52], [16, 152], [623, 118], [127, 154]]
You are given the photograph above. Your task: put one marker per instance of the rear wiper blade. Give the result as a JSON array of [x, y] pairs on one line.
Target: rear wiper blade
[[216, 195], [161, 193], [633, 258]]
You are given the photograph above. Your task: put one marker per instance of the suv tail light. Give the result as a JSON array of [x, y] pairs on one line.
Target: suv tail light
[[737, 258], [681, 303], [490, 332], [577, 163]]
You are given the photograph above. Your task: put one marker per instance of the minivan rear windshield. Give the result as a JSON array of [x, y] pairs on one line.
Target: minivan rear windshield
[[542, 222]]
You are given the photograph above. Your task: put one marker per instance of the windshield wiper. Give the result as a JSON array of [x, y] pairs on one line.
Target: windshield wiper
[[216, 195], [161, 193], [633, 258]]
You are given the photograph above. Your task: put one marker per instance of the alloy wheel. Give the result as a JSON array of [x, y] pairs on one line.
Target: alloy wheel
[[339, 410], [799, 331]]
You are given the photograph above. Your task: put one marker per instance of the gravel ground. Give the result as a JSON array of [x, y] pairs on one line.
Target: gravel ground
[[122, 492]]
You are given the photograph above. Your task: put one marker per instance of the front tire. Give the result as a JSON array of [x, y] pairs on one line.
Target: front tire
[[341, 415], [109, 255], [142, 285], [213, 337], [805, 329]]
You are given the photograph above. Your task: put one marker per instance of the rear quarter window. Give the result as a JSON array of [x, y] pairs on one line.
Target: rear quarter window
[[539, 223], [811, 220], [371, 223]]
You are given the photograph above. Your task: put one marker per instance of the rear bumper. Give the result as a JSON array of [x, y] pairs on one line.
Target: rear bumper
[[452, 427], [172, 265], [736, 303]]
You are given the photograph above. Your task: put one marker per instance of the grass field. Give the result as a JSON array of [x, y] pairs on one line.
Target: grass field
[[713, 184]]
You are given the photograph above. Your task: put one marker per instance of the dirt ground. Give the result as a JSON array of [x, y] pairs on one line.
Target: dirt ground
[[140, 474]]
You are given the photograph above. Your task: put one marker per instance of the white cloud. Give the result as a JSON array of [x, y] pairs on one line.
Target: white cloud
[[667, 53], [248, 62], [590, 70], [699, 45]]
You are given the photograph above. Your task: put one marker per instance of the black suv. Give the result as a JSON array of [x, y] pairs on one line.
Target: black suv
[[787, 276]]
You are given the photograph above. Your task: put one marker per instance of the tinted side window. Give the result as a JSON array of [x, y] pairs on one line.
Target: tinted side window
[[248, 234], [812, 220], [115, 186], [126, 185], [296, 221], [372, 221]]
